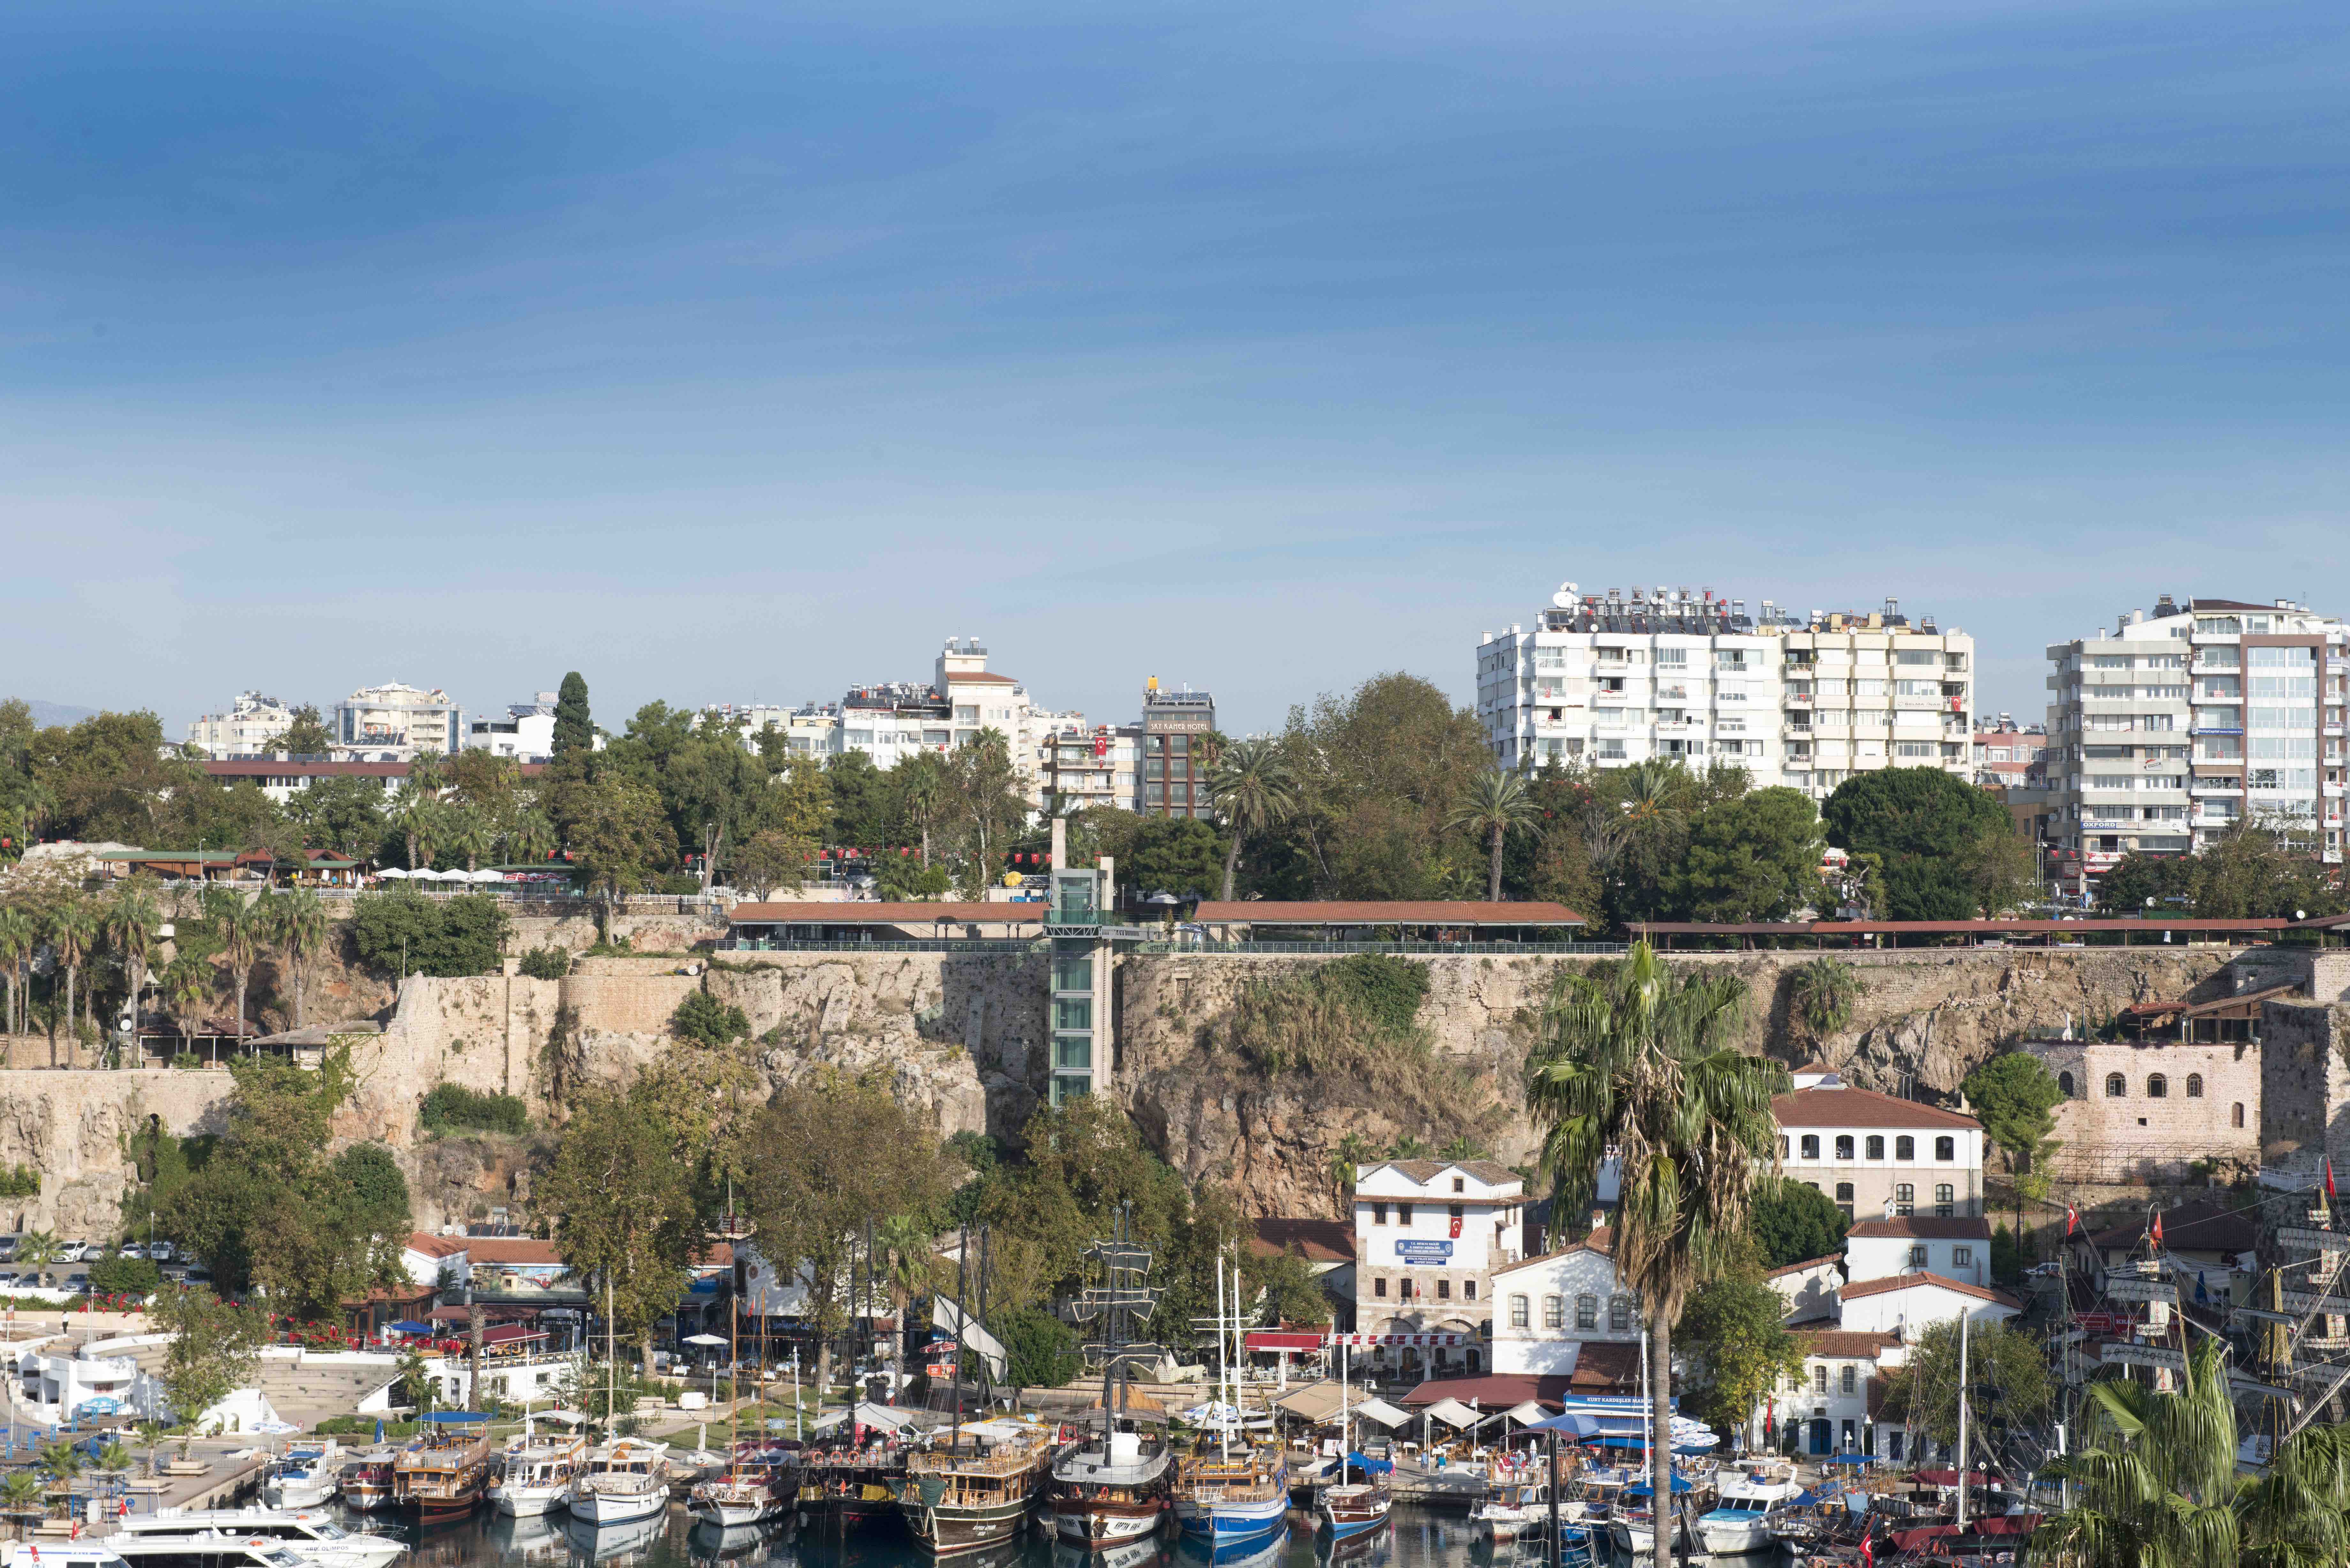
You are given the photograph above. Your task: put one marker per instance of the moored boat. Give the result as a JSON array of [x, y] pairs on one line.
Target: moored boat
[[536, 1472], [1740, 1521], [619, 1482], [447, 1472], [308, 1476], [1110, 1488], [761, 1484], [367, 1481], [308, 1533], [1231, 1497], [978, 1489]]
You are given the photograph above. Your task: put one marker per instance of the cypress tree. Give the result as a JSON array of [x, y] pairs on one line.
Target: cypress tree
[[572, 725]]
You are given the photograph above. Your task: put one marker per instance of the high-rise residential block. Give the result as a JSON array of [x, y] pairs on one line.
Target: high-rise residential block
[[393, 723], [251, 727]]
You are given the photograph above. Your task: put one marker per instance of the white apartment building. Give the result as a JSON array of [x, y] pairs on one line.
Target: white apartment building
[[1428, 1234], [1547, 1308], [1801, 702], [250, 726], [393, 723], [1874, 1155], [527, 734], [1900, 1244], [2178, 725]]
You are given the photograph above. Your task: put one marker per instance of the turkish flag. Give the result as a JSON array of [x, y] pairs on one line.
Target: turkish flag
[[2158, 1229], [1456, 1230]]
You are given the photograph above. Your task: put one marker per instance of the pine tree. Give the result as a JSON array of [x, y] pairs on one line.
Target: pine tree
[[572, 725]]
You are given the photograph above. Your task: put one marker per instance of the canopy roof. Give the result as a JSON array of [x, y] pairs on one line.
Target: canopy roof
[[1453, 1413]]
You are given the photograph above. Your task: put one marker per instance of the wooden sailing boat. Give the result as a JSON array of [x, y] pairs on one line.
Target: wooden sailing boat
[[978, 1490], [1350, 1507], [1224, 1496], [748, 1490], [1115, 1487], [447, 1472]]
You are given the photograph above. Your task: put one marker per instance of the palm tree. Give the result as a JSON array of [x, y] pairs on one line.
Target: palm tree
[[1408, 1148], [114, 1461], [24, 1495], [1636, 1066], [36, 1249], [2158, 1483], [130, 922], [466, 832], [1254, 788], [529, 838], [300, 932], [1820, 996], [188, 982], [73, 931], [904, 1243], [243, 929], [19, 935], [416, 812], [1346, 1163], [1497, 803]]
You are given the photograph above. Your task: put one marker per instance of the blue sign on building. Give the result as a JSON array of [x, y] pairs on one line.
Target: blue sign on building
[[1423, 1251]]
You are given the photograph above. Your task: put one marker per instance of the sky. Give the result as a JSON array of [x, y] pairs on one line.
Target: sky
[[739, 352]]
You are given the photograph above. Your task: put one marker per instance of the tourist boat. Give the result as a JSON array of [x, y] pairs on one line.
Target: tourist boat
[[1352, 1507], [367, 1481], [629, 1540], [308, 1533], [978, 1490], [61, 1554], [1110, 1486], [1519, 1504], [1231, 1497], [760, 1485], [849, 1489], [198, 1549], [536, 1472], [446, 1473], [308, 1476], [1740, 1521], [620, 1482]]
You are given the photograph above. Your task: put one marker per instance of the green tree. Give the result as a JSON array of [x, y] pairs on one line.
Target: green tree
[[2015, 1097], [701, 1016], [983, 789], [833, 1153], [241, 927], [619, 838], [420, 818], [1040, 1351], [2247, 874], [1794, 1223], [131, 920], [1820, 994], [301, 932], [189, 984], [1254, 789], [1346, 1163], [2007, 1377], [574, 728], [306, 736], [906, 881], [865, 809], [1636, 1063], [342, 814], [771, 859], [628, 1214], [405, 933], [1928, 826], [1495, 805], [2141, 879], [214, 1349], [905, 1252], [73, 931], [1735, 1328], [1286, 1288], [20, 934], [467, 833], [117, 1276], [1181, 854], [1752, 858]]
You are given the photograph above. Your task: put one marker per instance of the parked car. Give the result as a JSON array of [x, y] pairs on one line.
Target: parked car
[[72, 1251], [76, 1284], [133, 1250], [163, 1251], [7, 1248], [7, 1278], [197, 1277]]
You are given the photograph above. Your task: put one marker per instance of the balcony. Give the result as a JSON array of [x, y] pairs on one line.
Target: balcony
[[2216, 729], [1799, 698]]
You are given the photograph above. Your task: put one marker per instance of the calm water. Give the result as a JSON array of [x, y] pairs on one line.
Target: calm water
[[1417, 1538]]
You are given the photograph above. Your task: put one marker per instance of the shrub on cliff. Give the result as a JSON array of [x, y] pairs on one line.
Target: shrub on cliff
[[406, 933], [546, 963], [701, 1016], [452, 1107]]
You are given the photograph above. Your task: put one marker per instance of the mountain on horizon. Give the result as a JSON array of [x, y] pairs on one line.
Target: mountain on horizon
[[47, 714]]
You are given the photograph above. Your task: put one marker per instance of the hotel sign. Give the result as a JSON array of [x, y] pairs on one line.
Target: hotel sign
[[1423, 1251]]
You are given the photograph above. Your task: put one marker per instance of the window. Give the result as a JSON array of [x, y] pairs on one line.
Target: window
[[1820, 1379], [1403, 1214], [1844, 1192], [1619, 1314], [1554, 1311], [2236, 1115], [2115, 1088], [1844, 1147], [1905, 1198], [1918, 1256], [1457, 1186], [1444, 1290], [1944, 1206], [1811, 1145], [1379, 1289], [2065, 1083], [2157, 1086], [1946, 1148], [1847, 1380], [1905, 1148], [1877, 1149], [1452, 1210], [2194, 1085], [1520, 1313], [1378, 1213], [1469, 1290], [1586, 1312], [1963, 1256]]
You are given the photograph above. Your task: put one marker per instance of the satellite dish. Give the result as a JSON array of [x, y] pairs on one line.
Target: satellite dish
[[1565, 598]]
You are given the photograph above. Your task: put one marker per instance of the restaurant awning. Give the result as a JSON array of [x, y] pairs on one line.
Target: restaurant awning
[[1453, 1413], [1315, 1402], [1385, 1414]]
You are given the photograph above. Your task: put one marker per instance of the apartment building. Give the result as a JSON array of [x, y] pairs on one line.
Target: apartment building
[[1428, 1234], [1805, 702], [527, 734], [251, 726], [1873, 1155], [2008, 754], [2179, 724], [393, 723], [1176, 728]]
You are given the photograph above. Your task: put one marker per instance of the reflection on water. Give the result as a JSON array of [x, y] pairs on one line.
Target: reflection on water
[[1416, 1539]]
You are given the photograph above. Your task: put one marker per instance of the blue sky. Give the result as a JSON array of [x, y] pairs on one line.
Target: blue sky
[[742, 351]]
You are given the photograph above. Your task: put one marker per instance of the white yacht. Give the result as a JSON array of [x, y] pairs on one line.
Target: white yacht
[[536, 1473], [308, 1533], [199, 1548], [61, 1554], [1740, 1521], [622, 1481], [309, 1475]]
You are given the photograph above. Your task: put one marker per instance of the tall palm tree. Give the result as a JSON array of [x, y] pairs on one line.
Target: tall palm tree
[[73, 931], [904, 1244], [1254, 788], [300, 932], [243, 929], [1637, 1065], [130, 922], [417, 812], [466, 831], [2158, 1483], [188, 983], [20, 933], [24, 1495], [1496, 804], [1346, 1164], [529, 838]]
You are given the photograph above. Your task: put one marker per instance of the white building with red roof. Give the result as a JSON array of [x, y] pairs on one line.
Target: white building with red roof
[[1914, 1243], [1906, 1304], [1875, 1154]]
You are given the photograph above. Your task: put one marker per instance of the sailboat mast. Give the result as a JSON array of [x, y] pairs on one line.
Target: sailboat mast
[[1964, 1318], [1223, 1428]]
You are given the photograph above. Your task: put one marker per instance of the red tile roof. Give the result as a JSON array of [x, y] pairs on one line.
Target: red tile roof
[[854, 913], [979, 678], [1923, 1228], [1322, 1240], [1384, 912], [433, 1246], [1847, 1342], [1598, 1242], [1808, 1263], [1846, 1107], [1911, 1282], [1606, 1366], [1491, 1172], [1494, 1390], [495, 1249]]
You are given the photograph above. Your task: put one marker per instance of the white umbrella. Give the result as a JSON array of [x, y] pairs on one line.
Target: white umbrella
[[391, 871], [488, 874], [703, 1339]]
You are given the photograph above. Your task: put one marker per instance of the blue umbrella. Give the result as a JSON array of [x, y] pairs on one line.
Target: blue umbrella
[[1845, 1459], [410, 1326], [1681, 1483], [456, 1418]]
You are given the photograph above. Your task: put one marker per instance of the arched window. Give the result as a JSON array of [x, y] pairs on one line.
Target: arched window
[[1619, 1314], [2236, 1115], [1811, 1145], [2115, 1088], [1946, 1148], [1520, 1313], [1844, 1147], [2194, 1085], [1586, 1312], [2157, 1086], [1877, 1149], [2064, 1081], [1905, 1148]]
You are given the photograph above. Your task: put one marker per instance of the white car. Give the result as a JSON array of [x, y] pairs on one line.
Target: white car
[[70, 1251], [133, 1250], [163, 1251]]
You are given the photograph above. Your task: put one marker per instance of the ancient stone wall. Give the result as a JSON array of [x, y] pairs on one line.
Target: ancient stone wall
[[2209, 1108]]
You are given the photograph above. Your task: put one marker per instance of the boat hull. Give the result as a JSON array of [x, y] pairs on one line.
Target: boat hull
[[526, 1502], [618, 1507], [290, 1493], [1232, 1520], [950, 1530], [1735, 1538]]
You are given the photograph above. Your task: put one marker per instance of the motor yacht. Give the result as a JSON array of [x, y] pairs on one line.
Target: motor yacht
[[310, 1533], [622, 1481]]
